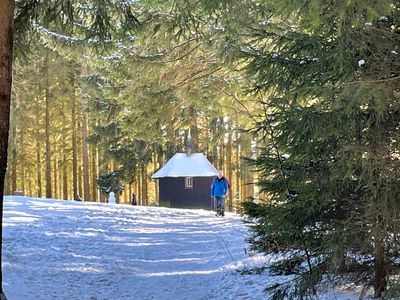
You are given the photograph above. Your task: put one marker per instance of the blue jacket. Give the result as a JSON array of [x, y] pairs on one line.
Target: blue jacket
[[219, 188]]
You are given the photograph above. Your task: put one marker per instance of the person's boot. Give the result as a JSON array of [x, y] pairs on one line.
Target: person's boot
[[222, 213]]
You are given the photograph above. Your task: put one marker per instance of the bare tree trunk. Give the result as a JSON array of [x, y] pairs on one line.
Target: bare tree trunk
[[13, 173], [30, 192], [94, 159], [65, 177], [156, 191], [247, 175], [214, 155], [47, 120], [80, 185], [229, 168], [380, 281], [85, 150], [144, 184], [38, 152], [23, 170], [55, 173], [238, 165], [74, 153], [194, 130], [221, 142], [6, 47], [139, 188]]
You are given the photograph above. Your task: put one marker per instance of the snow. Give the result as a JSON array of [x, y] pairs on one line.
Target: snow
[[111, 198], [56, 249], [182, 165]]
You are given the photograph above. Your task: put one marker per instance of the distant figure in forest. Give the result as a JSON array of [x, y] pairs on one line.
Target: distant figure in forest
[[134, 201], [111, 198], [219, 189]]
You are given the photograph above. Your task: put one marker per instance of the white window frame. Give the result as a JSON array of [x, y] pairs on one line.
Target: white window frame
[[188, 183]]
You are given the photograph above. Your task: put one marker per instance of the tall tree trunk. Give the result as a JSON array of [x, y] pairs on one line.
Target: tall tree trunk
[[38, 151], [380, 281], [55, 173], [207, 142], [247, 175], [156, 192], [228, 165], [80, 183], [238, 165], [74, 153], [30, 192], [47, 120], [85, 150], [214, 142], [103, 169], [65, 177], [139, 188], [221, 142], [13, 173], [23, 170], [144, 184], [6, 47], [94, 160], [194, 130]]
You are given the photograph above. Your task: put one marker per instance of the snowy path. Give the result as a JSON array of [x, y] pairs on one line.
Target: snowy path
[[55, 249], [70, 250]]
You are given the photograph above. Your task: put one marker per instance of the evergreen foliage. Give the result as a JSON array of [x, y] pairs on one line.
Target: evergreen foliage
[[329, 75]]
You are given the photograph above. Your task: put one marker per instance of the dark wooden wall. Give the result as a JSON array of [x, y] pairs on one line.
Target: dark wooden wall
[[172, 190]]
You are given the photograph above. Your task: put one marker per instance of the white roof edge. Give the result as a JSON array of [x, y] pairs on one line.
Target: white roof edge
[[181, 165]]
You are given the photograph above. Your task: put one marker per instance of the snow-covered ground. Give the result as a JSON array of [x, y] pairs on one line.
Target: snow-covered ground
[[55, 249]]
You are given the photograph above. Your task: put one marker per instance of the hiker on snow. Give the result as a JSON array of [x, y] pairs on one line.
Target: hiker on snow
[[219, 189]]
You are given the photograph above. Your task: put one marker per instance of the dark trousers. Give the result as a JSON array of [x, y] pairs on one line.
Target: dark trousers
[[220, 202]]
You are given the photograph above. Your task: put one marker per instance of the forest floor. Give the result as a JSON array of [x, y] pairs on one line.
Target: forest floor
[[55, 249]]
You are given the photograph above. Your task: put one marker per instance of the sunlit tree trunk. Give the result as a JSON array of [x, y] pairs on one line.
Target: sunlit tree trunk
[[55, 172], [13, 152], [229, 168], [6, 47], [156, 192], [47, 127], [23, 166], [221, 143], [238, 163], [65, 177], [38, 152], [94, 161], [214, 155], [74, 152], [85, 150], [194, 131], [247, 175], [144, 184], [139, 189]]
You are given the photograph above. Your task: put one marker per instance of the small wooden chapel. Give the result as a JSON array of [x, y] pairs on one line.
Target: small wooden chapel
[[185, 180]]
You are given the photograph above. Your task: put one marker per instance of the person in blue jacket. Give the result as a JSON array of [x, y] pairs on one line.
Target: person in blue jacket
[[219, 189]]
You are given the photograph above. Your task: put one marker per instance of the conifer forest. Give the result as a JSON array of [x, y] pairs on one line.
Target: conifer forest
[[298, 102]]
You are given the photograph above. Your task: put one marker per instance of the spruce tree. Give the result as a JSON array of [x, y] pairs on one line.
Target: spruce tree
[[328, 74]]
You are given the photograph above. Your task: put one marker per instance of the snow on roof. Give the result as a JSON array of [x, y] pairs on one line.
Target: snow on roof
[[181, 165]]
